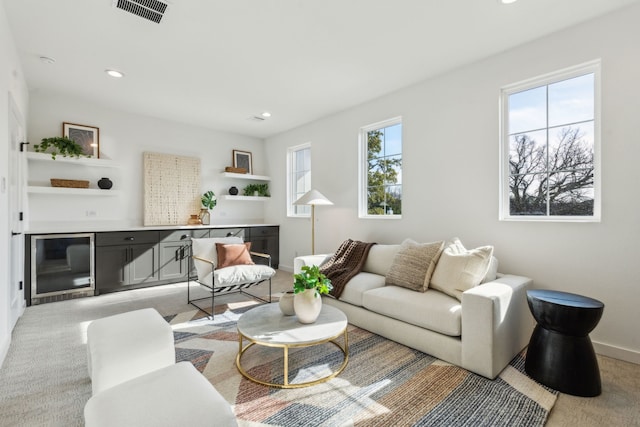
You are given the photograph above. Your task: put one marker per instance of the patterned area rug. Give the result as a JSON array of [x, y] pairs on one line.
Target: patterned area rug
[[384, 384]]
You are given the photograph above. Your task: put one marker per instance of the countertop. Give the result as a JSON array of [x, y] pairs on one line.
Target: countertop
[[104, 227]]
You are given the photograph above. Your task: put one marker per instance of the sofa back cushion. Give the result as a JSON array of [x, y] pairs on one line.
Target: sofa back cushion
[[380, 259]]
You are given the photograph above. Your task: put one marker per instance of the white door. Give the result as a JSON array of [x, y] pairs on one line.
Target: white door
[[16, 223]]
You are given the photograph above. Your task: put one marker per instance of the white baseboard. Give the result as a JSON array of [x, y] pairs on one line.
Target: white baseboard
[[617, 352], [4, 348]]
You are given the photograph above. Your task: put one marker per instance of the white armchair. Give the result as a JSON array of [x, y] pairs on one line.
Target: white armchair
[[223, 276]]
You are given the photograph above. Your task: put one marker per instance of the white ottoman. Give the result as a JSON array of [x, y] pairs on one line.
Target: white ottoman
[[177, 395], [128, 345]]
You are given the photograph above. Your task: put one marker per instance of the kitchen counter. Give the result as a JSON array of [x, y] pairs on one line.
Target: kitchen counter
[[87, 227]]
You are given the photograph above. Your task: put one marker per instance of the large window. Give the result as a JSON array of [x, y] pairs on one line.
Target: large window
[[299, 178], [381, 170], [550, 147]]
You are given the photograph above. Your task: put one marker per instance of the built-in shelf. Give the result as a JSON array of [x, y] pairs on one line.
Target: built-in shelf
[[246, 198], [245, 176], [82, 161], [71, 191]]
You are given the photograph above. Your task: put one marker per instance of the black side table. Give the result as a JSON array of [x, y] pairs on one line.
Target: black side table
[[560, 353]]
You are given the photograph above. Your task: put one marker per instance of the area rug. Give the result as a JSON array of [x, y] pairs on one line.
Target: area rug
[[384, 384]]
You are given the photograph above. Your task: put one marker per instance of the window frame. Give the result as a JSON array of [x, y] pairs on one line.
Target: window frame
[[363, 166], [591, 67], [291, 170]]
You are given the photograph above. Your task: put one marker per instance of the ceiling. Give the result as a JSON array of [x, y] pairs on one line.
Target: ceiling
[[217, 63]]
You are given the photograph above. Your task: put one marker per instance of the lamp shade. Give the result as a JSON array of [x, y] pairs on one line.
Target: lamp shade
[[313, 197]]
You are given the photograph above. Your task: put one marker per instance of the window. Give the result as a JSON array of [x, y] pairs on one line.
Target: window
[[299, 178], [380, 189], [550, 147]]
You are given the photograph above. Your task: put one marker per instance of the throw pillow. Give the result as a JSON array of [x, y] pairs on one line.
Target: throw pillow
[[460, 269], [414, 264], [205, 248], [233, 254]]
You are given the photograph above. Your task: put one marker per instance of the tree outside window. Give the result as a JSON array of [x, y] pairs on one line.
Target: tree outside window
[[383, 169], [551, 147]]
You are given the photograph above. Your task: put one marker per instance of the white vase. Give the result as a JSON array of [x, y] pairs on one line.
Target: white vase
[[307, 306], [286, 303]]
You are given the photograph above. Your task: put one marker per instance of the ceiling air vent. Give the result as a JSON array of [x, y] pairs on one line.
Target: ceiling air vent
[[256, 119], [152, 10]]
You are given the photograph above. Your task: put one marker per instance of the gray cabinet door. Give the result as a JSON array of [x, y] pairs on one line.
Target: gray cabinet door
[[142, 266], [111, 262], [173, 260]]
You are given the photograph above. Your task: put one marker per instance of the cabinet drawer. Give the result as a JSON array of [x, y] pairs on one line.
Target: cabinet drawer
[[181, 235], [126, 237], [255, 232], [226, 232]]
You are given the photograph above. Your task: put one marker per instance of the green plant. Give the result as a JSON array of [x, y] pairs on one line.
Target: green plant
[[61, 145], [262, 189], [209, 200], [311, 278]]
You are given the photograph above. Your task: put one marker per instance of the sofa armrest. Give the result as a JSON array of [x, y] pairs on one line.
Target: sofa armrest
[[299, 261], [496, 324]]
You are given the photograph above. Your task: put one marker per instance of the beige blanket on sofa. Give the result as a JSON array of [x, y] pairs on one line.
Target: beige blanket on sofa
[[345, 263]]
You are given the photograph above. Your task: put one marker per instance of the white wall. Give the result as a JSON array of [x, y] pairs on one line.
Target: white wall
[[123, 138], [12, 84], [450, 174]]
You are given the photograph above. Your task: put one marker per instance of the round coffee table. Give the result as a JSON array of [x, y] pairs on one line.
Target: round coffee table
[[560, 353], [265, 325]]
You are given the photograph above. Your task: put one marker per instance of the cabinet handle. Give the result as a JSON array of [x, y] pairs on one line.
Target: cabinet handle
[[129, 239], [182, 252], [184, 236], [178, 251]]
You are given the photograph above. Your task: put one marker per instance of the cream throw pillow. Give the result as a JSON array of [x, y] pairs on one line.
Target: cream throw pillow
[[413, 265], [460, 269]]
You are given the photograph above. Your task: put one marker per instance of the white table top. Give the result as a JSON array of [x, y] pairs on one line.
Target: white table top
[[267, 325]]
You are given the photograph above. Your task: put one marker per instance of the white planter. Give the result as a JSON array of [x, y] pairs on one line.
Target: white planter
[[286, 303], [307, 306]]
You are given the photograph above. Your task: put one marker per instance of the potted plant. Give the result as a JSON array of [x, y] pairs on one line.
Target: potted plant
[[260, 190], [307, 287], [60, 145], [209, 202]]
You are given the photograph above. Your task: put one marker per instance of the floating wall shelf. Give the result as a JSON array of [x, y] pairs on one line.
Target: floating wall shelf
[[71, 191], [245, 176]]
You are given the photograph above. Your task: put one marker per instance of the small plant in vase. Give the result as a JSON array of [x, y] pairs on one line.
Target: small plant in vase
[[308, 285], [209, 201]]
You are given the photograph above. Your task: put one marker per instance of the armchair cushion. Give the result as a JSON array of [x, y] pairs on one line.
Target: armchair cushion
[[233, 254], [237, 275], [206, 249]]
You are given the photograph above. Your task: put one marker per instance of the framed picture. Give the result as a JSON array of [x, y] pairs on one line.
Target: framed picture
[[242, 159], [87, 136]]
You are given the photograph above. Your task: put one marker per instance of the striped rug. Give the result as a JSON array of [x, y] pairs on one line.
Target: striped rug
[[384, 384]]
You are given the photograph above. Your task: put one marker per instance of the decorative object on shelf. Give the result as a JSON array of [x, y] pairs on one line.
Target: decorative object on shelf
[[60, 145], [233, 191], [209, 202], [194, 220], [308, 285], [235, 170], [258, 190], [88, 137], [286, 303], [105, 183], [69, 183], [243, 159], [313, 198]]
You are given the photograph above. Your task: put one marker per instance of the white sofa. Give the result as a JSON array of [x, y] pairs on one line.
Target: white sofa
[[480, 333]]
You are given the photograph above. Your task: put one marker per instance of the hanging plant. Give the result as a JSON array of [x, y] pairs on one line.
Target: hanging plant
[[60, 145]]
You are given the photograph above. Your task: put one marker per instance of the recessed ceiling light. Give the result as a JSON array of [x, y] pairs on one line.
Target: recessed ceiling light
[[114, 73], [47, 60], [507, 1], [266, 114]]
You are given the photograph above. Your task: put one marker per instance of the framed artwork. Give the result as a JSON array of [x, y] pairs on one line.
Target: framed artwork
[[242, 159], [87, 136]]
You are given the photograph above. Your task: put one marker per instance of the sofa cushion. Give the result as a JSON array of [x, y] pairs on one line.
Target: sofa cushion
[[380, 259], [492, 271], [358, 285], [413, 265], [460, 269], [431, 310]]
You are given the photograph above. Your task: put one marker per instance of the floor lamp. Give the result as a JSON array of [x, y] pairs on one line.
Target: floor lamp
[[313, 198]]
